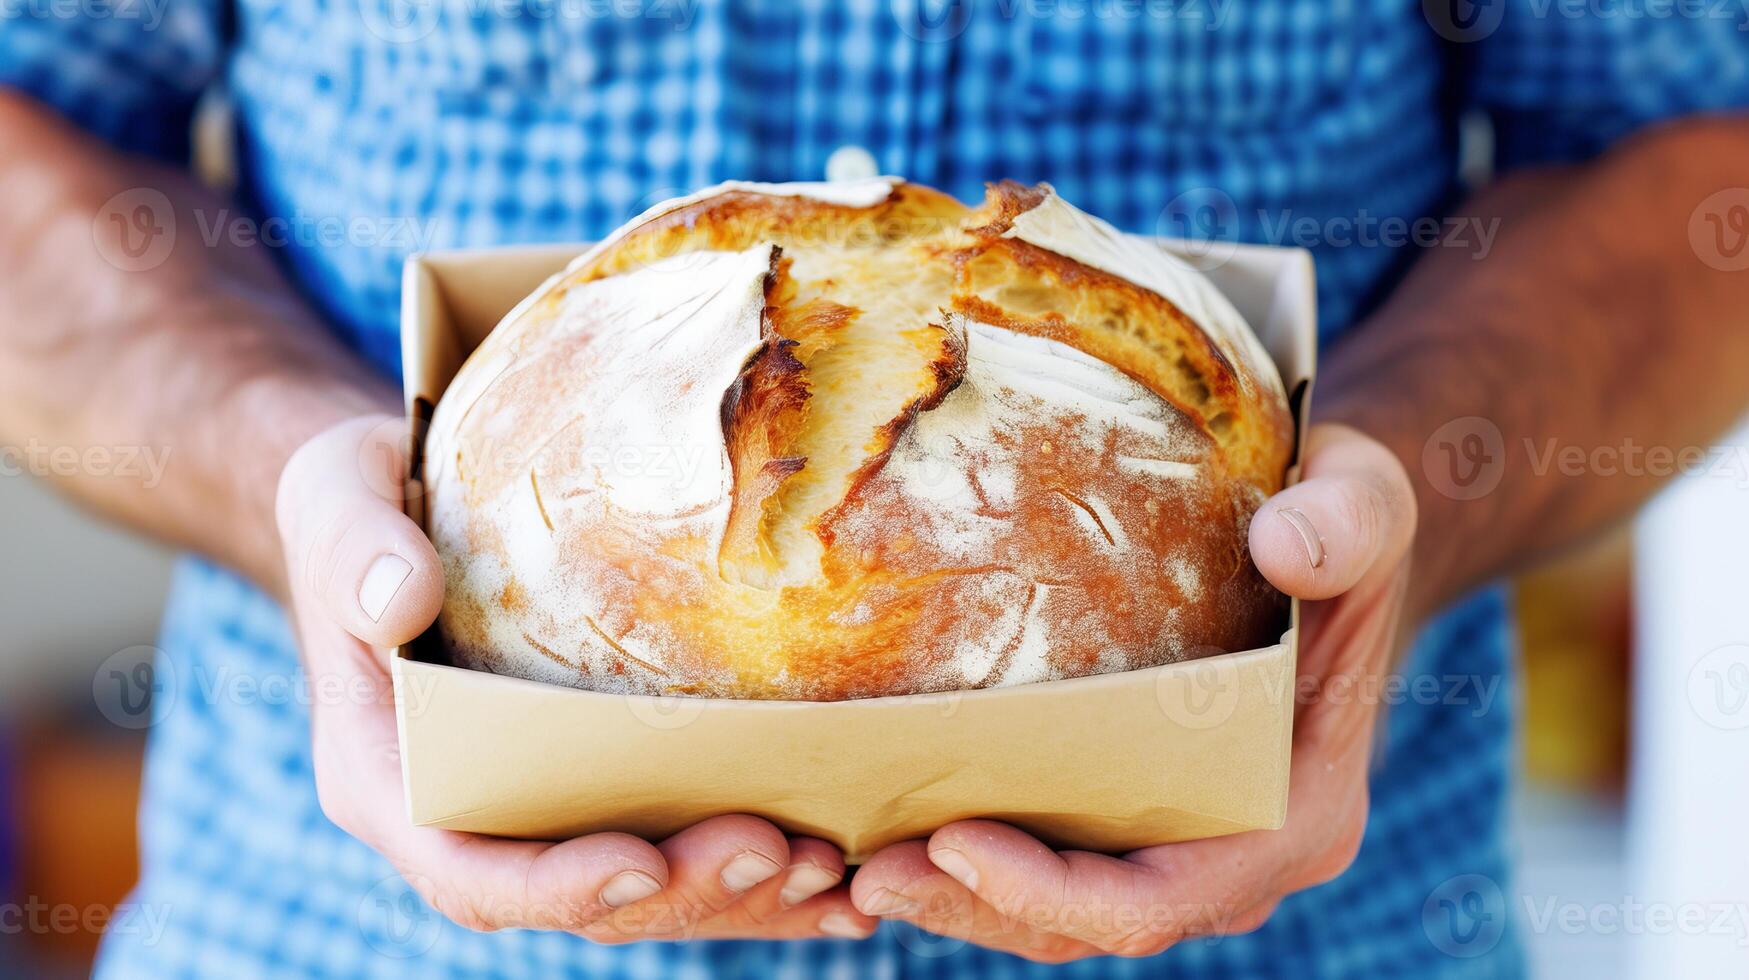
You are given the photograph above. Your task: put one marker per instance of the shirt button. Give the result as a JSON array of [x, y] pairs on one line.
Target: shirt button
[[851, 162]]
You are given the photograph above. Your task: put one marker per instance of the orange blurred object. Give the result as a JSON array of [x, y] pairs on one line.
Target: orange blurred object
[[77, 790]]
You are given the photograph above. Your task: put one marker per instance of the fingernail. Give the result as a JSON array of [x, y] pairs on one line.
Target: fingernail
[[956, 865], [748, 869], [843, 926], [1308, 534], [887, 902], [804, 882], [384, 578], [628, 887]]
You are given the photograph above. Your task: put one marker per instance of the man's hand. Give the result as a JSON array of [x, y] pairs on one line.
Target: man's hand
[[361, 576], [1339, 539]]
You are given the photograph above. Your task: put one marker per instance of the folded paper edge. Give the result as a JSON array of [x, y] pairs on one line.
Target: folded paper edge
[[1290, 270]]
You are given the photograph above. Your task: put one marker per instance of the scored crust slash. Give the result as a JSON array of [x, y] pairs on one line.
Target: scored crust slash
[[493, 754], [931, 448]]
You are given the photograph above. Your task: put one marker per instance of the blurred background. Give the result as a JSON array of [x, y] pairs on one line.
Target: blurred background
[[1634, 750], [73, 593], [1633, 756]]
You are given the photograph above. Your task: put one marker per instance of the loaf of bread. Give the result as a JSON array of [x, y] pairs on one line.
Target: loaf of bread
[[828, 441]]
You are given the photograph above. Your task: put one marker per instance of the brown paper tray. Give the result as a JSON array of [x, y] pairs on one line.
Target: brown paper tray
[[1105, 763]]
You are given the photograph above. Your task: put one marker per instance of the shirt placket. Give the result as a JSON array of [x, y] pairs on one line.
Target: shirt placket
[[857, 97]]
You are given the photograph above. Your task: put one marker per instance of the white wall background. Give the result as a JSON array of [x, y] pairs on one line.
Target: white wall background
[[72, 592], [1688, 800]]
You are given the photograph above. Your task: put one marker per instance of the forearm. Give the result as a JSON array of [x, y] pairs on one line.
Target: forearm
[[1592, 332], [166, 397]]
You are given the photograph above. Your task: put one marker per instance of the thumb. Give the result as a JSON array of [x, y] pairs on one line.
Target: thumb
[[1353, 511], [349, 549]]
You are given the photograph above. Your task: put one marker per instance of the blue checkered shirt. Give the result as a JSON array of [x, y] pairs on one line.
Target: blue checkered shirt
[[444, 123]]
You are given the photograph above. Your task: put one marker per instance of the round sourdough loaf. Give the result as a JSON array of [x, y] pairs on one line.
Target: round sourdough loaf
[[814, 442]]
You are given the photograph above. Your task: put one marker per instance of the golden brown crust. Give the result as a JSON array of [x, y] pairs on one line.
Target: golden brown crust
[[1137, 331], [761, 412], [947, 369], [1004, 201], [737, 219], [949, 459]]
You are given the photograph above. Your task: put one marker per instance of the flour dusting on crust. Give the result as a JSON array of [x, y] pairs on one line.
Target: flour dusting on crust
[[834, 441], [1035, 405], [1066, 230]]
